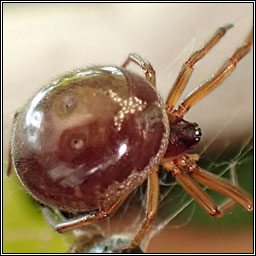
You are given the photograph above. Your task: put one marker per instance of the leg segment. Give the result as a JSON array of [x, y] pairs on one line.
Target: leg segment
[[89, 218], [144, 64], [51, 215], [216, 80], [220, 185], [187, 68], [9, 168], [193, 189], [229, 204], [216, 183], [152, 204], [211, 181]]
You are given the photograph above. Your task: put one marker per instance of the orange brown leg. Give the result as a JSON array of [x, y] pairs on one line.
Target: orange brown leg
[[88, 218], [229, 204], [144, 64], [151, 208], [216, 183], [9, 168], [192, 188], [216, 80], [211, 181], [187, 68]]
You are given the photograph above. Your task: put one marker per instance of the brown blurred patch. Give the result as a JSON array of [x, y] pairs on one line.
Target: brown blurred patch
[[202, 240]]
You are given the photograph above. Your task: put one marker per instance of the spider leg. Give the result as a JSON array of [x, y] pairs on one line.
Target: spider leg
[[88, 218], [151, 208], [187, 68], [144, 64], [9, 168], [51, 215], [216, 183], [193, 189], [216, 80], [229, 204], [194, 157]]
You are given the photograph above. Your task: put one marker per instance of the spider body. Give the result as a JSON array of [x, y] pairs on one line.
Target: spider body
[[85, 141]]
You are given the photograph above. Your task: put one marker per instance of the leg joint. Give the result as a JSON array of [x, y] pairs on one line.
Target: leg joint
[[151, 215]]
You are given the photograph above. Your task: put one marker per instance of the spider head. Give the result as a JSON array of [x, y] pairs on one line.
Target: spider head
[[183, 136]]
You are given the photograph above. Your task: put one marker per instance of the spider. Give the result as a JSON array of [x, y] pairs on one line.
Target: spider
[[84, 142]]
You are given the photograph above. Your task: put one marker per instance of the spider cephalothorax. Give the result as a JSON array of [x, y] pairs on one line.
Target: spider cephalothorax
[[183, 136]]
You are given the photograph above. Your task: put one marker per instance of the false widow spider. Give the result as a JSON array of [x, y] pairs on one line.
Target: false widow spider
[[89, 138]]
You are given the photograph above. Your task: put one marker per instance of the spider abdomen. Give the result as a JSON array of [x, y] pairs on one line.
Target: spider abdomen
[[89, 137]]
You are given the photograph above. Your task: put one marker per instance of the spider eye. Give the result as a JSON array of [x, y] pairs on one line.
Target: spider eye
[[197, 133]]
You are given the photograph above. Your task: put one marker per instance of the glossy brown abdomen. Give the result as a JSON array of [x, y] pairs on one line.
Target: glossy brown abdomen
[[89, 137]]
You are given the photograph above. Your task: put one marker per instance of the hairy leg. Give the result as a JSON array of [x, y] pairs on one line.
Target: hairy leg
[[144, 64], [187, 68]]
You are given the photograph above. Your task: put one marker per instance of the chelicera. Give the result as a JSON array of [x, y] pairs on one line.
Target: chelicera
[[86, 141]]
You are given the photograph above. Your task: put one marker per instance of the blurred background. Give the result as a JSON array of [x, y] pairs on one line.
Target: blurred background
[[43, 40]]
